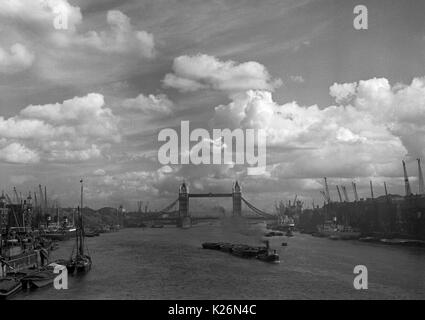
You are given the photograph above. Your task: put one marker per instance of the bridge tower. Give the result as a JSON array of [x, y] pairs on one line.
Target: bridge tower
[[184, 217], [237, 200]]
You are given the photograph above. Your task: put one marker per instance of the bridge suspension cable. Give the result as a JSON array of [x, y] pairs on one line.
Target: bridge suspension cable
[[256, 210], [168, 208]]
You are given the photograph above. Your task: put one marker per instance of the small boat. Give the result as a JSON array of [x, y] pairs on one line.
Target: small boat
[[368, 239], [60, 234], [38, 279], [273, 234], [9, 286], [289, 233], [284, 244], [157, 225], [413, 242], [211, 245], [318, 235], [267, 255], [81, 262], [394, 241], [31, 279], [334, 237], [271, 257], [91, 234]]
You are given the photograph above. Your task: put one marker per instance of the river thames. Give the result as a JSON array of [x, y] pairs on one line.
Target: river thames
[[169, 263]]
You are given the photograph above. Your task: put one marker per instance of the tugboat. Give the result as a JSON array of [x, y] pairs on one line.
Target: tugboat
[[268, 256], [272, 257], [81, 262]]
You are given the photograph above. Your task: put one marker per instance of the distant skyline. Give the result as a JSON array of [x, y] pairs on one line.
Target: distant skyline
[[89, 101]]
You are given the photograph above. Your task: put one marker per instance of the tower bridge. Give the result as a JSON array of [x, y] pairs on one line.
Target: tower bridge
[[184, 218]]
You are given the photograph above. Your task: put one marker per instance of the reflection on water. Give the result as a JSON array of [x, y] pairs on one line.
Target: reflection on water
[[169, 263]]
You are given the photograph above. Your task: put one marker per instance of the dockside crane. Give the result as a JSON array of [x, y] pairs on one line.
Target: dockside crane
[[344, 191], [139, 206], [45, 198], [8, 199], [328, 196], [385, 187], [40, 190], [406, 181], [356, 196], [421, 179], [323, 193], [35, 200], [371, 189], [339, 194], [16, 195]]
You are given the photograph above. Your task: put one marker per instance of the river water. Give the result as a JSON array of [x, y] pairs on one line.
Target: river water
[[169, 263]]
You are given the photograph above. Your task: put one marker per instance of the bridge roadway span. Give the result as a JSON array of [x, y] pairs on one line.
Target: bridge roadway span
[[210, 195]]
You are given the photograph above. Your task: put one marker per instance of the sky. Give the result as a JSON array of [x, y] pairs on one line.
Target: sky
[[89, 100]]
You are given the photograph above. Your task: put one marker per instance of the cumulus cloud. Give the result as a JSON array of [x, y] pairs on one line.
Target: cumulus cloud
[[150, 105], [297, 79], [342, 92], [76, 129], [380, 126], [17, 59], [133, 183], [21, 128], [120, 38], [60, 39], [84, 116], [99, 172], [191, 73], [18, 153], [75, 155]]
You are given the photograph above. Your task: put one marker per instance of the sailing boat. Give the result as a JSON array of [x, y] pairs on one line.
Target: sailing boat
[[81, 262]]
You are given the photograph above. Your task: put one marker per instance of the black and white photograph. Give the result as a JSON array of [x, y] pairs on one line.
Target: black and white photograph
[[212, 151]]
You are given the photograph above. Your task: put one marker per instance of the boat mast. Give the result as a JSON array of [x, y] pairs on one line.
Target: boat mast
[[81, 233], [421, 178], [77, 235]]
